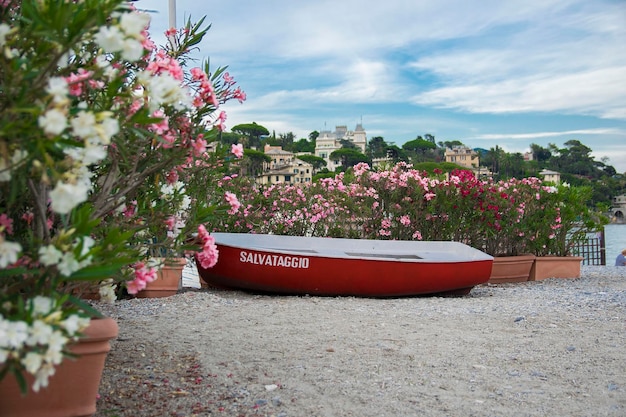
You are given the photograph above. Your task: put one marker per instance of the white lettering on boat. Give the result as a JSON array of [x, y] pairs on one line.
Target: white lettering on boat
[[284, 261]]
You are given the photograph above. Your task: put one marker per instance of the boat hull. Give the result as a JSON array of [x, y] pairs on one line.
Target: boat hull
[[301, 270]]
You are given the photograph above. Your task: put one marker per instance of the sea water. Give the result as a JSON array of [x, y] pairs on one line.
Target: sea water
[[615, 241]]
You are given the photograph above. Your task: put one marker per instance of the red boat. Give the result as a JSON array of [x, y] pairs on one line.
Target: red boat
[[345, 267]]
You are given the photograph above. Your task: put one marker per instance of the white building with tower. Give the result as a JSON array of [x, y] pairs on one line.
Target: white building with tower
[[328, 142]]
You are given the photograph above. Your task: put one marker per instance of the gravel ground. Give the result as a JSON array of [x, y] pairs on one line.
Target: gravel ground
[[553, 347]]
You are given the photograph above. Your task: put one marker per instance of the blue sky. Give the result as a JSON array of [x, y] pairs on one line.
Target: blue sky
[[486, 73]]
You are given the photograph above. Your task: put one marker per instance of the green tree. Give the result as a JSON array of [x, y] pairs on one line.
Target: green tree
[[451, 144], [493, 159], [540, 154], [377, 147], [252, 133], [317, 162], [304, 145], [228, 138], [286, 140], [419, 148], [314, 135], [348, 157], [252, 164]]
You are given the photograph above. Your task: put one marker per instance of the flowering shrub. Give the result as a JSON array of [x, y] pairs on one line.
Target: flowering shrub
[[104, 164], [510, 217]]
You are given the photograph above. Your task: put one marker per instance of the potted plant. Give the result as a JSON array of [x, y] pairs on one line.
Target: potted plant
[[563, 219], [93, 118], [516, 221]]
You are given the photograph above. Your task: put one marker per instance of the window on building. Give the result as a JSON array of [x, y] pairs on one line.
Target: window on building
[[287, 178]]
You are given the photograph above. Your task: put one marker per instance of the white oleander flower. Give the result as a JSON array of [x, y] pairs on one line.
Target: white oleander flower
[[74, 324], [64, 197], [4, 31], [42, 306], [167, 190], [68, 264], [39, 333], [84, 124], [57, 87], [111, 39], [53, 122], [132, 49], [8, 252], [133, 24], [56, 343], [92, 153], [186, 203], [107, 293], [4, 355], [164, 89], [107, 128], [15, 334], [32, 362], [42, 376], [49, 255]]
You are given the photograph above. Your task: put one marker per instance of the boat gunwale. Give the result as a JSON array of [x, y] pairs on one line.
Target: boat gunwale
[[363, 255]]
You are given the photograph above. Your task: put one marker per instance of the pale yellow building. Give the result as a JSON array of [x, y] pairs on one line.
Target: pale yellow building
[[284, 167], [550, 176], [464, 156]]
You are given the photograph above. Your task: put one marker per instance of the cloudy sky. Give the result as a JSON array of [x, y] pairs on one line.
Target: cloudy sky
[[486, 73]]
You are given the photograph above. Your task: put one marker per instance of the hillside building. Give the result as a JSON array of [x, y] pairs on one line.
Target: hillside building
[[550, 176], [464, 156], [618, 209], [328, 142], [284, 167]]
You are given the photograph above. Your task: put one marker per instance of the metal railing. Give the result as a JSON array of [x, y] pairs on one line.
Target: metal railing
[[592, 249]]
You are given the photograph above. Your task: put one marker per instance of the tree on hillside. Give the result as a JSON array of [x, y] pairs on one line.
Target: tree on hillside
[[575, 158], [314, 135], [286, 140], [419, 147], [512, 165], [540, 154], [450, 144], [228, 138], [317, 162], [252, 133], [348, 157], [377, 147], [253, 162], [347, 144], [304, 145], [396, 153], [492, 159]]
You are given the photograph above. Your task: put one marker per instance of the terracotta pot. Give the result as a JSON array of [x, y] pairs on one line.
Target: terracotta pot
[[73, 389], [168, 282], [555, 267], [511, 268]]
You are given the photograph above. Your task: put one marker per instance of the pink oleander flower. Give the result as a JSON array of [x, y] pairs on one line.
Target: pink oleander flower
[[6, 223], [231, 198], [237, 150], [143, 275], [209, 255]]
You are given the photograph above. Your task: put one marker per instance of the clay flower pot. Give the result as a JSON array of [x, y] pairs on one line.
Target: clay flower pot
[[168, 282], [73, 389], [555, 267], [511, 268]]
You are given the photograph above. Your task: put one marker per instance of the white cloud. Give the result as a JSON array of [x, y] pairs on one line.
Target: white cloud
[[597, 92], [536, 135], [453, 68]]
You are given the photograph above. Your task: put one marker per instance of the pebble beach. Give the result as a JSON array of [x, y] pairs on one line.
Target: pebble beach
[[553, 347]]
